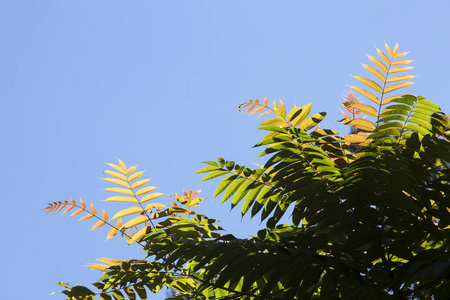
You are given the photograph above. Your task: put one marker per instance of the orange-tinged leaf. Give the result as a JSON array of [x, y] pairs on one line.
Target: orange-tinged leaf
[[123, 199], [105, 215], [395, 49], [401, 62], [86, 217], [128, 211], [367, 109], [256, 101], [388, 49], [119, 223], [135, 221], [266, 102], [123, 166], [158, 206], [261, 108], [135, 176], [130, 170], [112, 232], [282, 106], [99, 224], [400, 54], [82, 204], [151, 197], [93, 210], [375, 72], [140, 183], [62, 206], [389, 99], [265, 113], [381, 65], [78, 211], [359, 123], [118, 181], [399, 78], [73, 201], [397, 86], [245, 104], [68, 209], [117, 168], [369, 95], [115, 174], [145, 190], [120, 190], [384, 57], [369, 83], [400, 69], [251, 108], [138, 235]]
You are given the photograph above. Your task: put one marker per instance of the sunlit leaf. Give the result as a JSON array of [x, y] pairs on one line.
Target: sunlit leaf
[[399, 78], [375, 72], [139, 234], [118, 181], [359, 123], [381, 65], [367, 109], [123, 199], [130, 170], [145, 190], [397, 86], [151, 197], [115, 174], [400, 69], [117, 168], [369, 83], [401, 62], [384, 56], [128, 211], [135, 221], [99, 224], [135, 176], [369, 95], [86, 217], [120, 190], [140, 183]]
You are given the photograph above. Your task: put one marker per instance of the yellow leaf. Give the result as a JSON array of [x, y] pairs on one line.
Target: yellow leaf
[[117, 168], [135, 176], [389, 99], [112, 232], [400, 69], [395, 49], [367, 109], [399, 78], [397, 86], [115, 174], [369, 95], [138, 235], [122, 165], [401, 62], [354, 138], [93, 210], [118, 181], [391, 54], [86, 217], [120, 190], [119, 223], [130, 170], [98, 267], [140, 183], [105, 215], [299, 117], [359, 123], [312, 121], [280, 112], [375, 72], [158, 206], [128, 211], [273, 122], [123, 199], [384, 57], [369, 83], [151, 197], [381, 65], [145, 190], [400, 54], [99, 224], [135, 221], [160, 214]]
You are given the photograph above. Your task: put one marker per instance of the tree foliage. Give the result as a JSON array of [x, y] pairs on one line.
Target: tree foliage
[[368, 212]]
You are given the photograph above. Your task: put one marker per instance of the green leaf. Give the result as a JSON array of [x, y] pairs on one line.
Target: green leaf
[[214, 174]]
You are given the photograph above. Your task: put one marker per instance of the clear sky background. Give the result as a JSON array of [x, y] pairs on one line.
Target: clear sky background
[[157, 83]]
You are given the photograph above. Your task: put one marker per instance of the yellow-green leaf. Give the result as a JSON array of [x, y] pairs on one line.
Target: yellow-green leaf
[[273, 122], [367, 109], [359, 123], [123, 199], [135, 221], [312, 121], [369, 83], [355, 138], [135, 176], [118, 181], [151, 197], [140, 183], [120, 190], [384, 57], [301, 115], [369, 95], [399, 78], [381, 65], [138, 235], [115, 174], [389, 99], [130, 170], [400, 69], [158, 206], [117, 168], [375, 72], [397, 86], [145, 190], [128, 211]]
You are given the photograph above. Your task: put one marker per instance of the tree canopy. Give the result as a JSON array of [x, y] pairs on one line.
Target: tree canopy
[[368, 211]]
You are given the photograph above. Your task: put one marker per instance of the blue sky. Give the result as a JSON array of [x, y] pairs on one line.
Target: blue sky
[[157, 83]]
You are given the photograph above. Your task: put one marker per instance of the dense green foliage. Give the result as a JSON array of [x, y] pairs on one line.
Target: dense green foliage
[[368, 212]]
